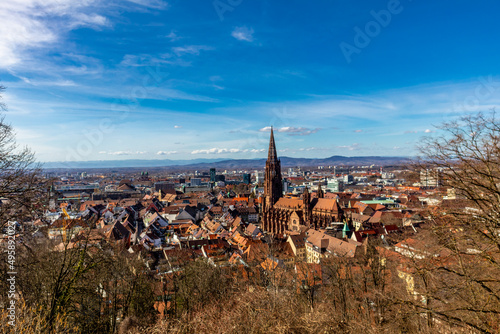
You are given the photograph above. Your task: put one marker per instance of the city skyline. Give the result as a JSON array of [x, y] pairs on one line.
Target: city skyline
[[178, 80]]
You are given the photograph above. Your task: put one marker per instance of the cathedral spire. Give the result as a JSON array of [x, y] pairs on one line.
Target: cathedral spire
[[273, 188], [320, 193], [272, 155]]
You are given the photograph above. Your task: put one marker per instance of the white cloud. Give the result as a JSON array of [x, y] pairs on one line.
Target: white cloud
[[149, 60], [191, 49], [126, 153], [215, 78], [243, 34], [353, 147], [428, 131], [292, 131], [20, 29], [289, 129], [173, 36], [177, 126], [216, 150], [436, 101], [222, 151], [31, 24], [310, 149], [54, 83], [153, 4], [93, 20], [166, 152]]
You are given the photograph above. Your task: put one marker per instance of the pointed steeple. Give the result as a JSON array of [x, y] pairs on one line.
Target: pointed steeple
[[306, 197], [273, 187], [320, 193], [345, 230], [272, 155]]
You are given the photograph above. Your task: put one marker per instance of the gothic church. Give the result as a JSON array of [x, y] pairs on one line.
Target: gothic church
[[280, 214]]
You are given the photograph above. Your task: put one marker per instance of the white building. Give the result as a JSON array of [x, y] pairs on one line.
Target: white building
[[335, 185], [259, 176]]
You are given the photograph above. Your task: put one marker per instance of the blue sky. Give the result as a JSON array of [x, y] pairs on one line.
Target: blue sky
[[152, 79]]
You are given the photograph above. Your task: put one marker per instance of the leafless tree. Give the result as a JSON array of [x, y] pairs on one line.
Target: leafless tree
[[465, 277], [21, 186]]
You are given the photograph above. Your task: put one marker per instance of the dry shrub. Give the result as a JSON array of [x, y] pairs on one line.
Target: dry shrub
[[29, 320], [259, 311]]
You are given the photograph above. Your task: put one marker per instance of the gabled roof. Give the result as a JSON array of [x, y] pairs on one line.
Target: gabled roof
[[360, 218], [184, 215], [236, 222], [125, 187], [253, 230], [326, 204], [289, 203], [336, 246], [298, 240], [117, 232]]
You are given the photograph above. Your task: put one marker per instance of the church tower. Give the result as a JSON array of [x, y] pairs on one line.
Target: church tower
[[273, 187], [320, 193], [306, 200]]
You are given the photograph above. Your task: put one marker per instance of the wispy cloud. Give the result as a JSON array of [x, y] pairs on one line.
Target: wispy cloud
[[153, 4], [243, 34], [216, 151], [303, 149], [124, 152], [226, 150], [292, 131], [142, 60], [173, 36], [28, 25], [94, 21], [353, 147], [309, 149], [166, 152], [191, 49], [57, 83]]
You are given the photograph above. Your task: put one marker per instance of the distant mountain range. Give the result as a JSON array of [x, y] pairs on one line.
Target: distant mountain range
[[231, 163], [126, 163]]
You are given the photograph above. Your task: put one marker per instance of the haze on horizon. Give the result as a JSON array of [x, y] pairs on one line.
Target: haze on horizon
[[179, 80]]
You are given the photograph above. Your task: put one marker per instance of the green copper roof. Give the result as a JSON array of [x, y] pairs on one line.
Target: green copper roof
[[382, 201]]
